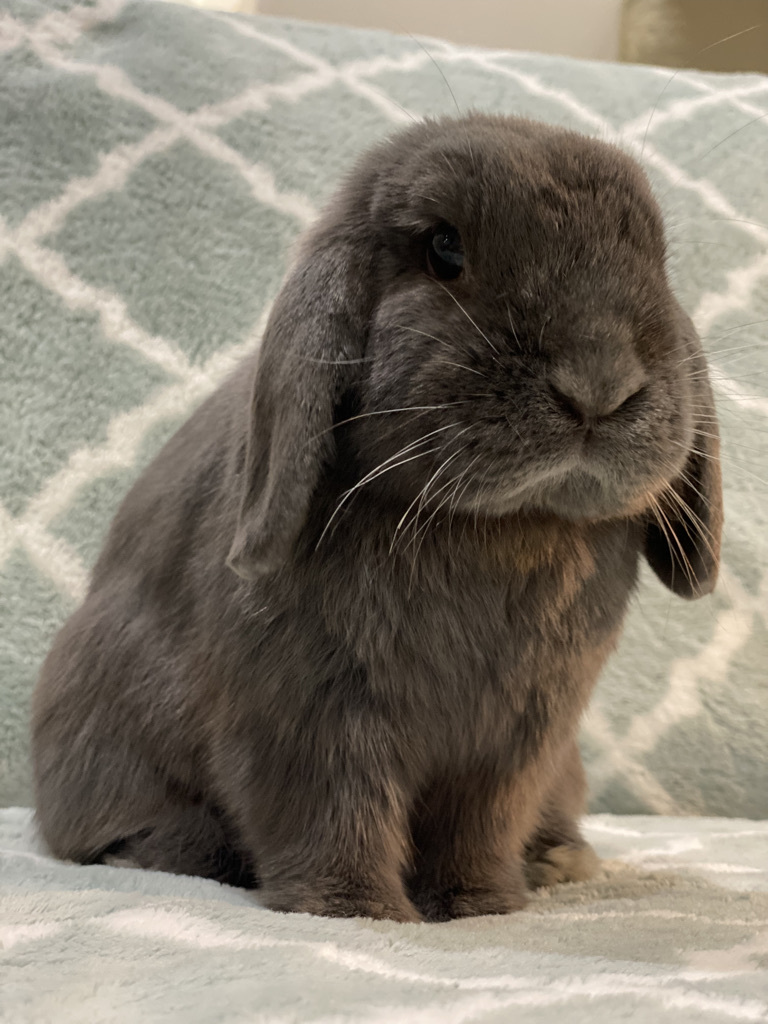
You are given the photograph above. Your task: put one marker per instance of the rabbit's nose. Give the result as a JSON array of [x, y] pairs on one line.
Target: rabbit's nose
[[587, 400]]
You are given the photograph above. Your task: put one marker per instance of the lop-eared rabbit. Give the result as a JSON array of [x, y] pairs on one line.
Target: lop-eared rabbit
[[342, 630]]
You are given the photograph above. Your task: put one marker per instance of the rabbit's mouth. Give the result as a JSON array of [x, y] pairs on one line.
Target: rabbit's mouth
[[594, 471]]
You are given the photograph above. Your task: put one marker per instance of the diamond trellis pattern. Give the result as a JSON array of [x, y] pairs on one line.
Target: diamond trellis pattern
[[156, 164]]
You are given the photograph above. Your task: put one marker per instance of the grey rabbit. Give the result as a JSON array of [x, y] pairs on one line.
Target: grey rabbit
[[342, 630]]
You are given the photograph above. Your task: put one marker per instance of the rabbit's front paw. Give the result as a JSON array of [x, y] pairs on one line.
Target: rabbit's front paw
[[469, 901], [562, 864], [341, 901]]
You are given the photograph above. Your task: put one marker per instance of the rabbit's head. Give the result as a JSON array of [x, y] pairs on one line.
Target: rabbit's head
[[483, 316]]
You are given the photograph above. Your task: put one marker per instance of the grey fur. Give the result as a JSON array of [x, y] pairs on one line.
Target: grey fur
[[375, 713]]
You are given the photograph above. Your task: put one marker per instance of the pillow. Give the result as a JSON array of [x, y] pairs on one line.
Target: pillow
[[156, 163]]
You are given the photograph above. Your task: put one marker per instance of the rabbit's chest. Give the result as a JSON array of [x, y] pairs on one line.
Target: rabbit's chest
[[492, 624], [499, 668]]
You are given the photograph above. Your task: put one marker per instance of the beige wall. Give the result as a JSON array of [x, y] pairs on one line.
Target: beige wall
[[678, 33], [714, 35], [578, 28]]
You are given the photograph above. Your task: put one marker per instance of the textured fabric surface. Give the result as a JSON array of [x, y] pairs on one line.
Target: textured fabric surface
[[678, 932], [156, 162]]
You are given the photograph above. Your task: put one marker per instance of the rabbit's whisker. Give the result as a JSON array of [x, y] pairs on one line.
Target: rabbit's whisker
[[682, 475], [719, 353], [714, 372], [368, 479], [466, 314], [461, 366], [683, 507], [333, 362], [732, 330], [713, 458], [541, 335], [512, 327], [713, 421], [723, 220], [741, 128], [384, 467], [452, 502], [670, 493], [670, 535], [414, 522], [424, 334], [685, 511], [724, 396], [460, 494], [440, 341], [727, 441], [423, 492], [385, 412], [423, 529], [704, 241]]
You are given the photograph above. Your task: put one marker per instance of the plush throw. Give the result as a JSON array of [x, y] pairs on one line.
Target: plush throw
[[674, 930], [157, 162]]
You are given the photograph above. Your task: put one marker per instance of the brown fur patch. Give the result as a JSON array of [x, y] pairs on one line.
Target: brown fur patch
[[527, 545]]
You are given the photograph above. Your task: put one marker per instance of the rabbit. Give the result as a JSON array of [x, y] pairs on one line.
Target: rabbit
[[338, 641]]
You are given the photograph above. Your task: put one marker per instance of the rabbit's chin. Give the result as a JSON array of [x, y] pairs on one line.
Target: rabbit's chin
[[573, 495], [584, 497]]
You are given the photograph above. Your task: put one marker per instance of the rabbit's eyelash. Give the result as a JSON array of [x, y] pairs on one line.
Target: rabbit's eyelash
[[442, 74]]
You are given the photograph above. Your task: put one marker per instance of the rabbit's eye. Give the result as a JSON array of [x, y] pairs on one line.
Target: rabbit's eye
[[445, 252]]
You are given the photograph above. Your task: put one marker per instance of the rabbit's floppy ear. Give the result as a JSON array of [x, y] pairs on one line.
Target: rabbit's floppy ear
[[682, 542], [314, 338]]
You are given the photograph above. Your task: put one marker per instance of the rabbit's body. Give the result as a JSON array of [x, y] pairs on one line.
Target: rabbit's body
[[380, 717]]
